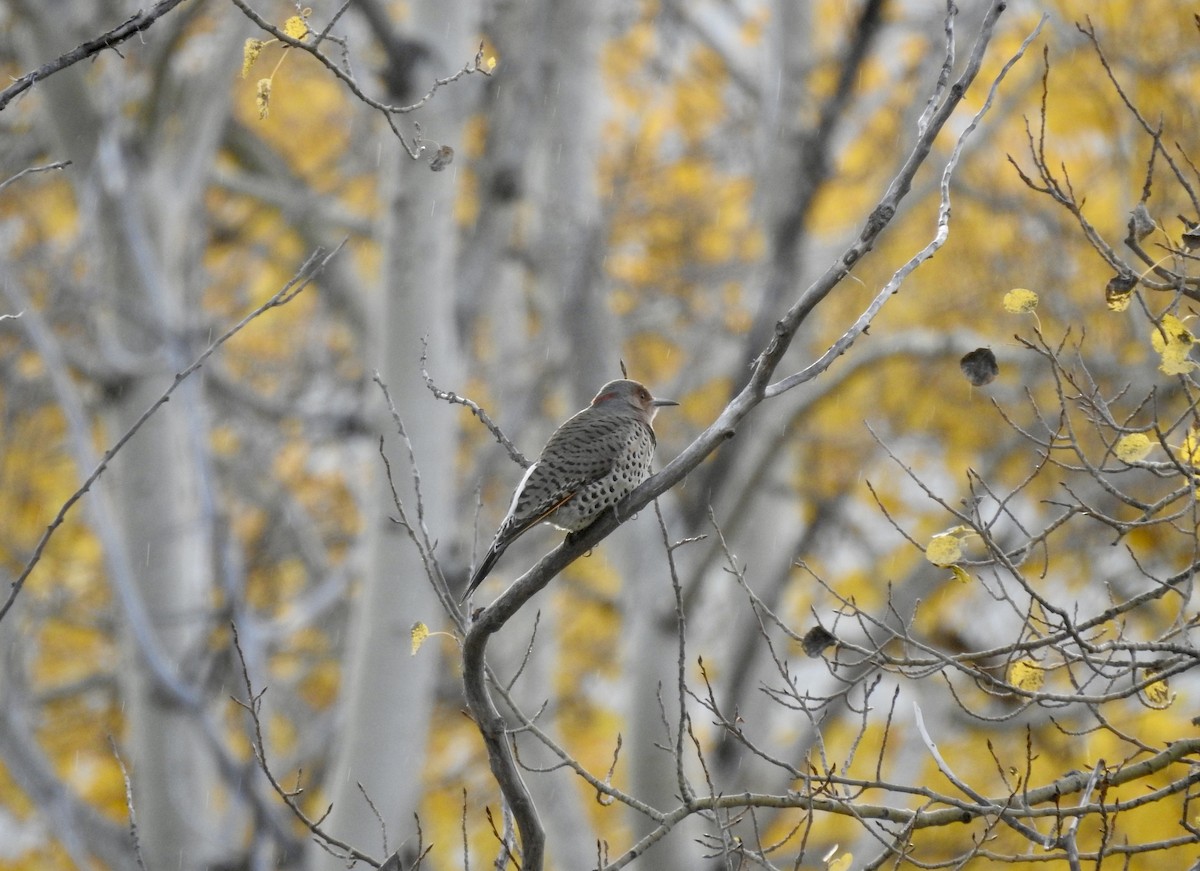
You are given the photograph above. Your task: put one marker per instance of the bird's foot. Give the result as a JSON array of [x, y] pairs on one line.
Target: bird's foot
[[573, 537]]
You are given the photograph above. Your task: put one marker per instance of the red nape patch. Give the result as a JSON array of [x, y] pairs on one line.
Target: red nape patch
[[602, 397]]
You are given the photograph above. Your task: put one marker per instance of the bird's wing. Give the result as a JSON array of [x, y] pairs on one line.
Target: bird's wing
[[582, 450], [531, 514]]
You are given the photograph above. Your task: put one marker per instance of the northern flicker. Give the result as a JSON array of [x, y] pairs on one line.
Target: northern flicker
[[589, 464]]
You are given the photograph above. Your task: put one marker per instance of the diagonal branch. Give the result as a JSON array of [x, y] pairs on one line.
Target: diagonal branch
[[387, 110], [307, 272], [131, 26], [842, 345]]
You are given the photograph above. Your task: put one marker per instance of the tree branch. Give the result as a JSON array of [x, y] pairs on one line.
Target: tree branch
[[131, 26], [307, 272], [387, 110]]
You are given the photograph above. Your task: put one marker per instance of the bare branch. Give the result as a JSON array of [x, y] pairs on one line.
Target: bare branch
[[484, 418], [131, 26], [414, 149], [129, 806], [901, 275], [303, 277], [58, 164], [253, 707]]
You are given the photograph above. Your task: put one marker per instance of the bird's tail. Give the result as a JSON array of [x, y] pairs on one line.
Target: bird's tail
[[485, 566]]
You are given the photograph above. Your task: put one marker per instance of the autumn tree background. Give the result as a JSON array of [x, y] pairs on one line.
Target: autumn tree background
[[275, 279]]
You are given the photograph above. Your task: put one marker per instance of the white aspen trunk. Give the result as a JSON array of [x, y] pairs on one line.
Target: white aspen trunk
[[388, 695], [142, 209]]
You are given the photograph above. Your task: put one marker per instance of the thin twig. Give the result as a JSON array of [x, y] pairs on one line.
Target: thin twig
[[414, 150], [685, 789], [131, 26], [253, 707], [378, 816], [133, 829], [454, 399], [417, 532], [942, 233], [58, 164], [295, 285]]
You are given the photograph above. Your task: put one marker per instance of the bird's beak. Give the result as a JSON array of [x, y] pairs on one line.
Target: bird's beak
[[659, 402]]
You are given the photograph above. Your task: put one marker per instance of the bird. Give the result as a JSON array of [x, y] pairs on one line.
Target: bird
[[587, 466]]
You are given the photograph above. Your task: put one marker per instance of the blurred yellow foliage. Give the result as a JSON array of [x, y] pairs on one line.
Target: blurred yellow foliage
[[279, 734], [1189, 451], [654, 359], [319, 687], [71, 652], [685, 228]]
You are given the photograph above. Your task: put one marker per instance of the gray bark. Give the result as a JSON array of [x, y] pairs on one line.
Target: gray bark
[[388, 698], [139, 213]]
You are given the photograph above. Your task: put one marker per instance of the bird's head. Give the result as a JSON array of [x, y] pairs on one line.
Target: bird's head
[[630, 396]]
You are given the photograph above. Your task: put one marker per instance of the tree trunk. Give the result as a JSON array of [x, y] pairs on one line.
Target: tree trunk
[[388, 697], [141, 208]]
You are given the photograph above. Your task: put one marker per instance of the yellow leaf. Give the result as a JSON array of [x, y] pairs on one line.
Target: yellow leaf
[[1119, 302], [1173, 342], [1133, 447], [250, 52], [296, 27], [960, 574], [1025, 674], [1176, 366], [1019, 300], [1170, 331], [944, 549], [418, 634], [1119, 291], [1158, 694], [490, 63], [841, 863], [1190, 449]]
